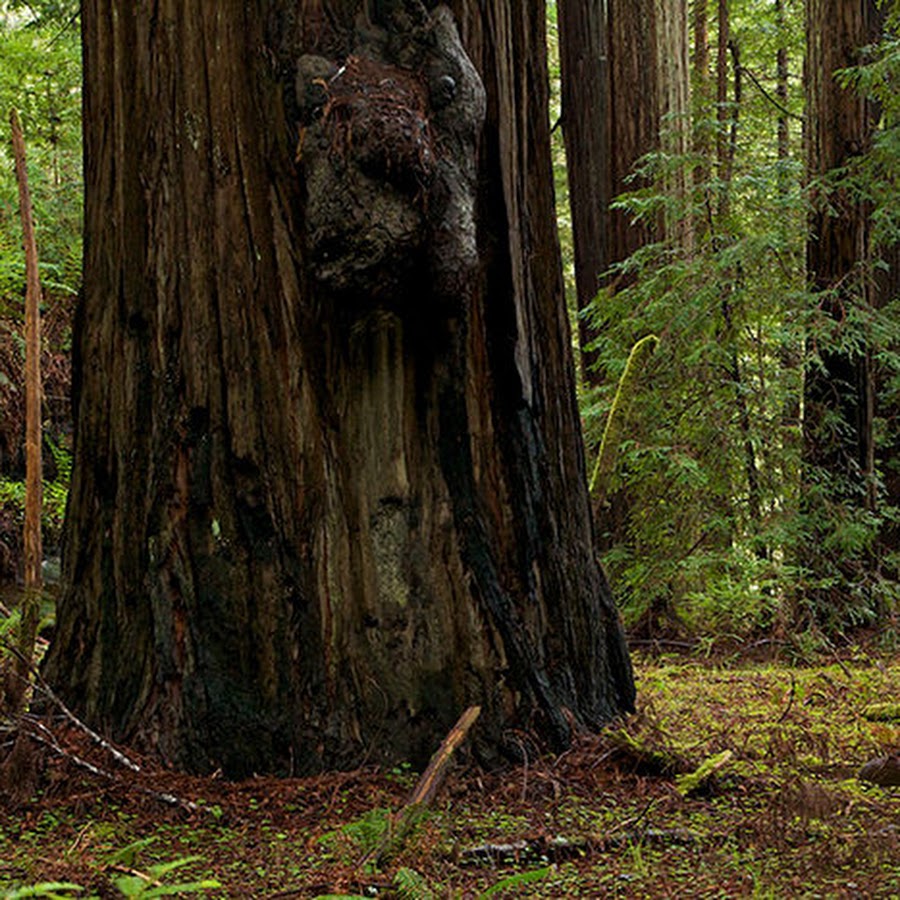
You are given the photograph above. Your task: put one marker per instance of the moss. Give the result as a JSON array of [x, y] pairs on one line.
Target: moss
[[882, 712]]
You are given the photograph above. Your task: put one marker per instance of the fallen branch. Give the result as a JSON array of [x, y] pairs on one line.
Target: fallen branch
[[134, 873], [44, 736], [97, 739], [426, 789], [563, 849]]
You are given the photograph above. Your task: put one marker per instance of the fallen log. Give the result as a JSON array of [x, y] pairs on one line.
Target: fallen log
[[883, 771]]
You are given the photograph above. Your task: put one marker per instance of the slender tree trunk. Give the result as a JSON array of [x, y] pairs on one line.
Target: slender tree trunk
[[584, 58], [702, 110], [32, 539], [329, 488], [33, 554], [723, 113], [781, 89]]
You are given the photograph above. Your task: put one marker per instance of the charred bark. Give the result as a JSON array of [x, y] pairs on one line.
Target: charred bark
[[328, 487]]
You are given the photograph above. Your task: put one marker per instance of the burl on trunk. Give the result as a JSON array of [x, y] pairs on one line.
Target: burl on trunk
[[329, 487]]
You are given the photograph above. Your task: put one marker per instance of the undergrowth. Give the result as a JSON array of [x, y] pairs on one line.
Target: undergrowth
[[735, 779]]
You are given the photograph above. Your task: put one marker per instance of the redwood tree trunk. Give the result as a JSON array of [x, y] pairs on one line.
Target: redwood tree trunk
[[328, 486], [840, 126], [585, 79], [838, 434], [634, 114]]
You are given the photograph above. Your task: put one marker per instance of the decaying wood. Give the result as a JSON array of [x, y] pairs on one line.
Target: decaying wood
[[427, 787], [560, 849], [883, 771], [645, 758]]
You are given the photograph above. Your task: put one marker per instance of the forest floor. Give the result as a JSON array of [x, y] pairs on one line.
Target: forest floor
[[783, 815]]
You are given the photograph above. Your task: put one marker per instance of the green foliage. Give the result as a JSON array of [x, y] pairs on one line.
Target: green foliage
[[144, 884], [707, 467], [618, 414], [52, 890], [148, 883], [41, 77], [412, 885], [364, 834], [55, 495], [513, 882], [713, 521]]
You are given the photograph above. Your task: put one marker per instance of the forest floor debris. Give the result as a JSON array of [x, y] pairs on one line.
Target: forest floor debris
[[787, 816]]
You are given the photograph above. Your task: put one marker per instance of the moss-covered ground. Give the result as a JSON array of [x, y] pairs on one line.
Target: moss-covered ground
[[780, 815]]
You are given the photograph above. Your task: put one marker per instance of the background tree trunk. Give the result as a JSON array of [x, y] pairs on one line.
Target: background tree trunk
[[634, 114], [839, 394], [584, 63], [322, 502], [840, 126]]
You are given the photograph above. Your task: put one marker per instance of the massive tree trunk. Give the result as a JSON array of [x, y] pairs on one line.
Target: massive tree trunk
[[328, 485]]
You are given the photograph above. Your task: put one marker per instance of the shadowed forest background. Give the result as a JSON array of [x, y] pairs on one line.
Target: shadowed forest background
[[726, 183]]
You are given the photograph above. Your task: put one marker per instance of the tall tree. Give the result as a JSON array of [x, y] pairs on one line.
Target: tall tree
[[839, 392], [625, 94], [585, 86], [328, 485], [634, 112]]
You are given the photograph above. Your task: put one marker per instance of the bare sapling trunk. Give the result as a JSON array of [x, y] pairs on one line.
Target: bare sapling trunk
[[33, 484]]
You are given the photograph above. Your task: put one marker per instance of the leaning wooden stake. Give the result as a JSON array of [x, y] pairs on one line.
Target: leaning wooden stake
[[33, 481], [425, 790]]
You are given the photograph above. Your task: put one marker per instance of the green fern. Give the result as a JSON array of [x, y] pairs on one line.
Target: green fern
[[411, 885], [512, 882], [50, 890]]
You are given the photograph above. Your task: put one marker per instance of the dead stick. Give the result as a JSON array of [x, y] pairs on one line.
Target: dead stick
[[48, 739], [43, 687], [426, 789], [434, 775], [125, 870]]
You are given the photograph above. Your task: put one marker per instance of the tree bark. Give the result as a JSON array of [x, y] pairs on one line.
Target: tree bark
[[32, 542], [840, 127], [32, 539], [634, 115], [585, 77], [328, 487], [839, 392]]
